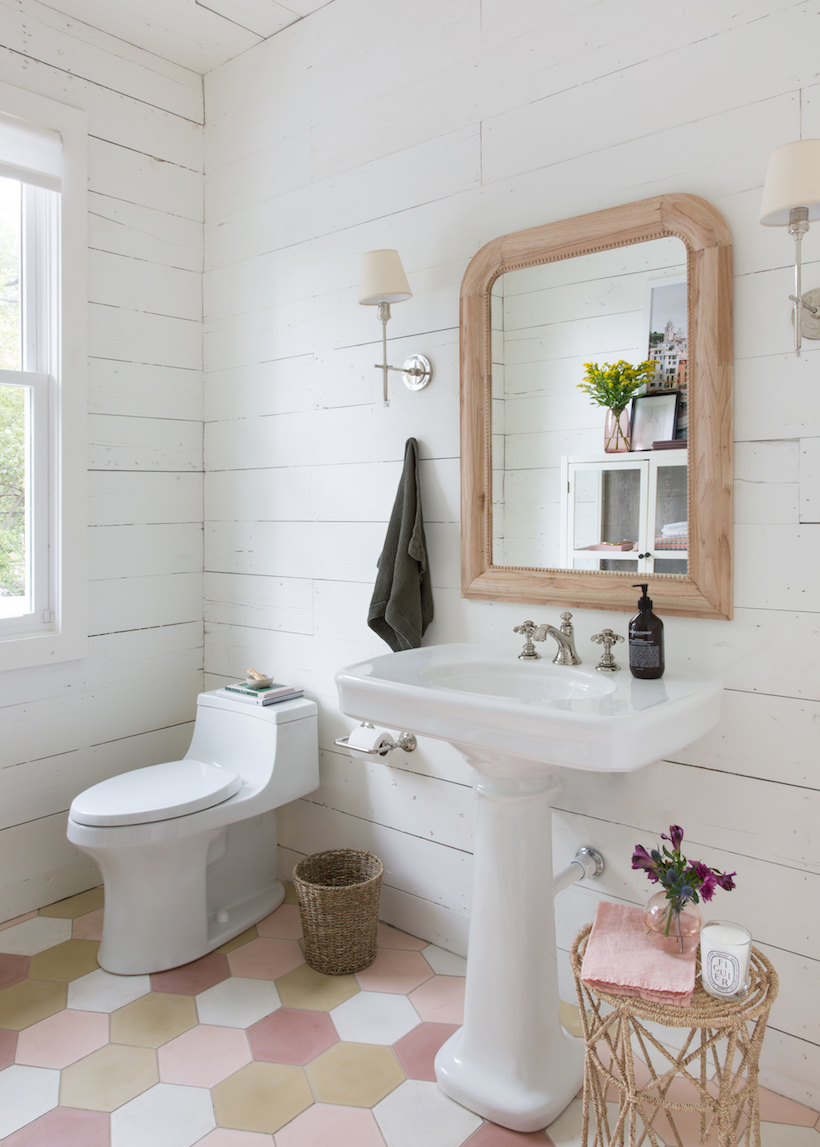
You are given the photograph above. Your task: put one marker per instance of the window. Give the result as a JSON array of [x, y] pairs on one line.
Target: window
[[42, 380]]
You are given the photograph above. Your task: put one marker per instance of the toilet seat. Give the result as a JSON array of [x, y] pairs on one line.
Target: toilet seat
[[158, 792]]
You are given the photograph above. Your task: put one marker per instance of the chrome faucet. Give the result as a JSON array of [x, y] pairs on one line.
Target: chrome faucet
[[565, 636]]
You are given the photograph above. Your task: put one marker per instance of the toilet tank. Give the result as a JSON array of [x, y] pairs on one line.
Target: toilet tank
[[269, 746]]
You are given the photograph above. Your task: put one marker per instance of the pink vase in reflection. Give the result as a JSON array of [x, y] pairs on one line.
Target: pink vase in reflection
[[616, 431]]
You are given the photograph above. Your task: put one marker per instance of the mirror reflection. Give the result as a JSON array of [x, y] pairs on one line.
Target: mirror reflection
[[568, 491]]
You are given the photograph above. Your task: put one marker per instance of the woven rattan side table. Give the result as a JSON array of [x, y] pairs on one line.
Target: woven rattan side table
[[717, 1062]]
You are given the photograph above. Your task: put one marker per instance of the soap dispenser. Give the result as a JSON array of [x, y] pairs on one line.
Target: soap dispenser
[[646, 640]]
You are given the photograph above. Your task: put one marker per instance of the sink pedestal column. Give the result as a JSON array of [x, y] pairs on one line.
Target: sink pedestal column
[[511, 1062]]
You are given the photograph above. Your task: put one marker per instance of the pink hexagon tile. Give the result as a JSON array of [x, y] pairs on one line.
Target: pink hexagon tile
[[191, 979], [203, 1056], [8, 1046], [394, 971], [292, 1035], [416, 1051], [13, 969], [491, 1135], [89, 926], [62, 1039], [283, 924], [66, 1126], [326, 1123], [266, 958], [440, 999], [390, 937]]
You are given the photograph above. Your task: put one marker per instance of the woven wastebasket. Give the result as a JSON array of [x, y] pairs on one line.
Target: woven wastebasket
[[338, 893]]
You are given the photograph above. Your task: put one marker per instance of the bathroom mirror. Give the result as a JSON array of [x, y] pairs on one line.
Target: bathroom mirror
[[547, 515]]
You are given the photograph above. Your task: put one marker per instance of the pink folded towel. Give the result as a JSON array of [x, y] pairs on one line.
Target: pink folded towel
[[620, 958]]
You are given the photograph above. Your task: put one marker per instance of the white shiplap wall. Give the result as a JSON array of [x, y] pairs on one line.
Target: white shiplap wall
[[131, 701], [433, 127]]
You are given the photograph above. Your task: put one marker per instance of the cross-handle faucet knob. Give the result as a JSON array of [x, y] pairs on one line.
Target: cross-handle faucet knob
[[607, 638], [528, 653]]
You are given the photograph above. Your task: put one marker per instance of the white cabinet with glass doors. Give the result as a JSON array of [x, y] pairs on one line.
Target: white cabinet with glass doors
[[625, 512]]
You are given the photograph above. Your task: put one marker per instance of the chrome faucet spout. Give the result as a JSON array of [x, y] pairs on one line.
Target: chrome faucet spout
[[565, 637]]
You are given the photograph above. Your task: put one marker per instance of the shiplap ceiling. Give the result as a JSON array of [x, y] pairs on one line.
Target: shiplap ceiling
[[198, 34]]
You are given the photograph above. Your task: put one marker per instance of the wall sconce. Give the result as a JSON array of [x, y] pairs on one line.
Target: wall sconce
[[791, 198], [382, 282]]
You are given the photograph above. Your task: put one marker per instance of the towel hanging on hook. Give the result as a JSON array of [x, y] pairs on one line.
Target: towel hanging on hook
[[402, 605]]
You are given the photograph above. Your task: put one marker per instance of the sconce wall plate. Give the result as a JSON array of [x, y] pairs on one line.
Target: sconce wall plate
[[417, 372], [810, 314]]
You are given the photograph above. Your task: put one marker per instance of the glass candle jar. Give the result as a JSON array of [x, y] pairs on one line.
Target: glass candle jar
[[725, 951]]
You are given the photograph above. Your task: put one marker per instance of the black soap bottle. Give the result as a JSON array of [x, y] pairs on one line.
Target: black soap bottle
[[646, 641]]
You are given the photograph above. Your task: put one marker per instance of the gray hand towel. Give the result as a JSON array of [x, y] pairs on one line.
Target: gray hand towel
[[402, 604]]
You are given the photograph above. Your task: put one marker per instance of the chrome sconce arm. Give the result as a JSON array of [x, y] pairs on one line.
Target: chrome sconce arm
[[416, 371]]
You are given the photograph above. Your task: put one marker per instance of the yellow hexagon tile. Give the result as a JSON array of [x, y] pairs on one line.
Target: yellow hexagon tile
[[65, 962], [153, 1020], [354, 1074], [305, 988], [107, 1078], [30, 1001], [75, 906], [239, 941], [261, 1097], [290, 893]]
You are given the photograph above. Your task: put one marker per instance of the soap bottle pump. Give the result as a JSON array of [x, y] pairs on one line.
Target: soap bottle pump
[[646, 640]]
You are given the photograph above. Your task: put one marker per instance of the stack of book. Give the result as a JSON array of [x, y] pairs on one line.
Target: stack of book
[[270, 695]]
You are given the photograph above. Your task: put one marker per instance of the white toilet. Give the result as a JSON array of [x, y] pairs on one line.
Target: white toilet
[[187, 849]]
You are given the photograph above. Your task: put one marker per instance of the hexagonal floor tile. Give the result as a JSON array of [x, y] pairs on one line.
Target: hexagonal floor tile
[[389, 937], [266, 958], [778, 1109], [193, 978], [394, 970], [237, 942], [324, 1124], [153, 1020], [62, 1039], [354, 1075], [440, 1000], [419, 1112], [74, 906], [166, 1116], [565, 1131], [283, 924], [230, 1137], [89, 926], [63, 1126], [417, 1050], [65, 962], [102, 991], [261, 1097], [25, 1094], [25, 1003], [306, 988], [34, 935], [237, 1002], [13, 969], [107, 1078], [374, 1017], [203, 1056], [8, 1047], [491, 1135], [292, 1035], [444, 963]]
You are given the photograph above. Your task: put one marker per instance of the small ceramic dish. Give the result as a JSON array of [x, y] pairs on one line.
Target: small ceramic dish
[[259, 682]]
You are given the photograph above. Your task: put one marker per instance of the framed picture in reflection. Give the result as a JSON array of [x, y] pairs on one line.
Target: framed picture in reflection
[[654, 418]]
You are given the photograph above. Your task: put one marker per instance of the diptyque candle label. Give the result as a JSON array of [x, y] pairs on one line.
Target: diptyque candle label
[[723, 972]]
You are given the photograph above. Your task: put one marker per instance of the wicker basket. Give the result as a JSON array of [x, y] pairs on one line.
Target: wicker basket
[[338, 893]]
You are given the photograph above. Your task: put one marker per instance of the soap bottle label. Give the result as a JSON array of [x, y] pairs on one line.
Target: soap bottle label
[[644, 655]]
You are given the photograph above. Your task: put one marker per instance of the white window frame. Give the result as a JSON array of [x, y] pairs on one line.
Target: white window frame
[[55, 371]]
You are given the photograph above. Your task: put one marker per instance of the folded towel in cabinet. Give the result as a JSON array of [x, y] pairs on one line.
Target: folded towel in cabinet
[[402, 603], [620, 958]]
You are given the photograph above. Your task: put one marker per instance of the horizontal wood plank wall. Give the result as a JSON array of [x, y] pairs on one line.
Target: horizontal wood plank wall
[[320, 146], [131, 701]]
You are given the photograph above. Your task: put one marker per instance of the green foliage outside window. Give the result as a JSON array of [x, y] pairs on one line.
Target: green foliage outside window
[[12, 400]]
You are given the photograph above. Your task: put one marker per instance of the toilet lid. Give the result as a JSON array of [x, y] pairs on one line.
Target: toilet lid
[[158, 792]]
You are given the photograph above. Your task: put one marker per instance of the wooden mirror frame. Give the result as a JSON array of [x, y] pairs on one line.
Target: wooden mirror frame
[[706, 591]]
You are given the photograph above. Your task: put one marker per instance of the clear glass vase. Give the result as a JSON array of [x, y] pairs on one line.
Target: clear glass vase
[[616, 431], [673, 931]]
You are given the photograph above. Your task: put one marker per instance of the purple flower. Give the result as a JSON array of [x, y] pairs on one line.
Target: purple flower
[[675, 836], [707, 878], [642, 859], [724, 879]]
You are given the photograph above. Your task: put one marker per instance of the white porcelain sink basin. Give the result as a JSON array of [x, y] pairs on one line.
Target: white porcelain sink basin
[[518, 722], [524, 717]]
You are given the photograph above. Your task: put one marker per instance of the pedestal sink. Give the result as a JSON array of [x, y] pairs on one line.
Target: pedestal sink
[[517, 723]]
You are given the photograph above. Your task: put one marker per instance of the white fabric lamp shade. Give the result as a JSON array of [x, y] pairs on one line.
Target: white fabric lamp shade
[[793, 180], [382, 279]]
